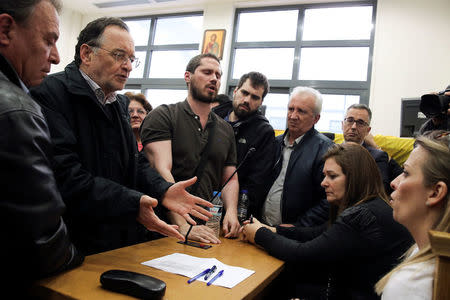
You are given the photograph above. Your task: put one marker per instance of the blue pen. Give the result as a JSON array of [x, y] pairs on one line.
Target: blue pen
[[214, 278], [213, 269], [198, 276]]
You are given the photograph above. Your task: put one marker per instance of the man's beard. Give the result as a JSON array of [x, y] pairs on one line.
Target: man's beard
[[240, 114], [195, 93]]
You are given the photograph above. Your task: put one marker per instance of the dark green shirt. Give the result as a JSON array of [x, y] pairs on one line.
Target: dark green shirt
[[178, 123]]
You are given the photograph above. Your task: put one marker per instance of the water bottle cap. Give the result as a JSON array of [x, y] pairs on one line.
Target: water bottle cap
[[215, 193], [244, 191]]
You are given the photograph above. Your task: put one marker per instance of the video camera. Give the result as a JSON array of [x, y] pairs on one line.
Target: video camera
[[435, 105]]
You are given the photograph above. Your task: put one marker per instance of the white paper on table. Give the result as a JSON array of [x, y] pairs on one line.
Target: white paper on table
[[190, 266]]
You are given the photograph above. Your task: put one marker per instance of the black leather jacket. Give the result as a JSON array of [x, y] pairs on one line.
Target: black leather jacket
[[35, 241]]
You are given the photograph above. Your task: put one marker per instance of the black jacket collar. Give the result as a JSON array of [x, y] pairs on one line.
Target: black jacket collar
[[76, 84], [306, 136], [8, 70]]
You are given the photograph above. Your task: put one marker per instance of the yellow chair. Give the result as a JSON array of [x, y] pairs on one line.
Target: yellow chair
[[396, 147]]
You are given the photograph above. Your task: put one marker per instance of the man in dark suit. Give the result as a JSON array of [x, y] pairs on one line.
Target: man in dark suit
[[295, 195], [356, 126]]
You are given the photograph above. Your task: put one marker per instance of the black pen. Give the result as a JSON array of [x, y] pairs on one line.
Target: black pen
[[213, 269], [186, 237], [251, 218]]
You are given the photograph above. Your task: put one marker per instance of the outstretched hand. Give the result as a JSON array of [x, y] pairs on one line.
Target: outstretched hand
[[150, 220], [178, 200]]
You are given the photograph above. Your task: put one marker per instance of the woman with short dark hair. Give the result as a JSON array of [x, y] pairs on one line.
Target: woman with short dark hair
[[361, 241], [138, 110]]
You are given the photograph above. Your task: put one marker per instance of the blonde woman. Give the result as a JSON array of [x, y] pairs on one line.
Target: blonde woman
[[420, 202]]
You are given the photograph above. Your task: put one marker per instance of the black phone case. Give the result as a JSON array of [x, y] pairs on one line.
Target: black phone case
[[133, 284]]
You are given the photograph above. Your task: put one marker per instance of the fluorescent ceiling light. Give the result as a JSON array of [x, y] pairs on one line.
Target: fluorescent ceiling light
[[121, 3]]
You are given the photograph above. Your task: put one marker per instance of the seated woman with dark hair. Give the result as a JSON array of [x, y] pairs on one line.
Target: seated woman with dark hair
[[138, 110], [421, 203], [360, 243]]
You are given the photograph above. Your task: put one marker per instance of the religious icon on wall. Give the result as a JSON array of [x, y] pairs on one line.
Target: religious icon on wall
[[213, 42]]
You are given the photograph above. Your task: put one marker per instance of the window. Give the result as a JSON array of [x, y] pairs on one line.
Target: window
[[281, 27], [338, 23], [334, 63], [164, 45], [165, 96], [279, 66], [325, 46], [170, 64], [276, 109], [333, 111]]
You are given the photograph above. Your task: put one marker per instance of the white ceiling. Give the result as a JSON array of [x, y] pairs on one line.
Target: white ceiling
[[158, 6], [169, 6]]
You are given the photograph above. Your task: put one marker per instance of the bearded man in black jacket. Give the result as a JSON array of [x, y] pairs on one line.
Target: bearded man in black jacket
[[252, 130], [35, 242]]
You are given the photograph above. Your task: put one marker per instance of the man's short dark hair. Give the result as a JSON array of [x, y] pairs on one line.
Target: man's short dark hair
[[361, 106], [196, 60], [92, 34], [256, 80], [21, 10]]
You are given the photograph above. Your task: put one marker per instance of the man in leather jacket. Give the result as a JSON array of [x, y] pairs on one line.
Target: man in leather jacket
[[35, 242], [251, 130]]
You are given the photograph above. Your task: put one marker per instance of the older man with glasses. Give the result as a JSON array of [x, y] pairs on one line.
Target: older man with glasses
[[108, 186], [356, 126]]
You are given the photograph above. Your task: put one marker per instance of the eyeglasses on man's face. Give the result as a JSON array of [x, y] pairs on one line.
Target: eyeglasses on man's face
[[122, 57], [359, 123]]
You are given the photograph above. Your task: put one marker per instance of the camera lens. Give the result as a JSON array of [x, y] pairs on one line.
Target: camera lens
[[431, 105]]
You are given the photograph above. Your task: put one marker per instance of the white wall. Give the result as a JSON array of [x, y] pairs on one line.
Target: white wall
[[411, 54], [70, 24], [221, 16]]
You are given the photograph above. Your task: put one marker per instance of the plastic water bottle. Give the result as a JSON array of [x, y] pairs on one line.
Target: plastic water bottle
[[214, 221], [243, 206]]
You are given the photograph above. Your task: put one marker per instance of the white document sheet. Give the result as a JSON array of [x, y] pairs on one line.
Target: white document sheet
[[190, 266]]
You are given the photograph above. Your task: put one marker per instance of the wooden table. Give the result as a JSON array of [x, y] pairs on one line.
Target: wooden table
[[84, 281]]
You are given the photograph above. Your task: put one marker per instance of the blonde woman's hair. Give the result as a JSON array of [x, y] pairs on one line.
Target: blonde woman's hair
[[435, 168]]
